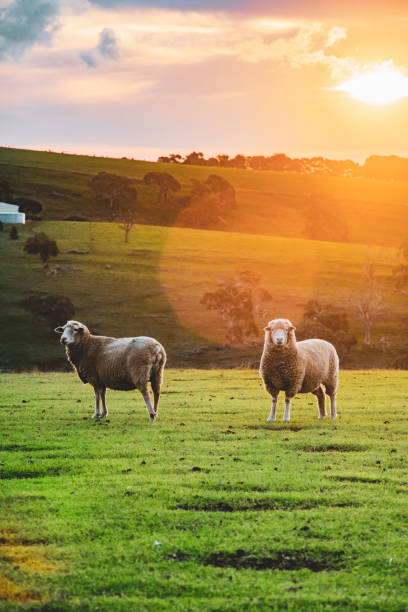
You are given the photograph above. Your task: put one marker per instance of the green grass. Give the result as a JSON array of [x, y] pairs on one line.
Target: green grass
[[153, 286], [210, 507], [270, 203]]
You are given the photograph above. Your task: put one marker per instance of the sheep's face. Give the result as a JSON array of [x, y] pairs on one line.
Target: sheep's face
[[72, 332], [279, 332]]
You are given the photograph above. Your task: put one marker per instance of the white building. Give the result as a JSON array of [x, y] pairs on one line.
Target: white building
[[9, 213]]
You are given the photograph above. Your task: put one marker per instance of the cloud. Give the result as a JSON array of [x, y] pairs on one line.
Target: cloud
[[107, 48], [108, 44], [299, 8], [23, 23], [335, 34]]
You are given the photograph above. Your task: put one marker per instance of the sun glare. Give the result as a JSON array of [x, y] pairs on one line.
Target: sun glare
[[381, 85]]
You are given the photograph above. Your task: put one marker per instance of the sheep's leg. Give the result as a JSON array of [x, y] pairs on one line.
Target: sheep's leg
[[97, 413], [156, 397], [286, 416], [156, 381], [104, 406], [321, 401], [272, 414], [148, 402], [333, 411]]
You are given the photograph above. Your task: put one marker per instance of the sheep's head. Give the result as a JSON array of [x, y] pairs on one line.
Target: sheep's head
[[280, 332], [73, 332]]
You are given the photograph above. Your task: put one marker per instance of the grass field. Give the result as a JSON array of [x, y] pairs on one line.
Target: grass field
[[153, 286], [209, 508], [272, 203]]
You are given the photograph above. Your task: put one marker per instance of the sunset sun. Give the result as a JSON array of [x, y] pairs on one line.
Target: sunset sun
[[381, 85]]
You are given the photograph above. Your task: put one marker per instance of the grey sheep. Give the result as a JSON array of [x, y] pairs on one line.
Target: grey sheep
[[115, 363], [298, 367]]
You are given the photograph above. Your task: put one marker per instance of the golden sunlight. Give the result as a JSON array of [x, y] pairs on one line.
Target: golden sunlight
[[381, 85]]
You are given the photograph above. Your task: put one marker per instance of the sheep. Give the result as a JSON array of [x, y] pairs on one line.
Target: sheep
[[115, 363], [298, 367]]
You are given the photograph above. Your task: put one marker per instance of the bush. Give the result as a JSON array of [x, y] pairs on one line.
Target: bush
[[29, 207], [40, 244], [53, 309], [328, 323]]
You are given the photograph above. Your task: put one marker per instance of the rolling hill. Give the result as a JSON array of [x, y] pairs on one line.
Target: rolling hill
[[268, 203]]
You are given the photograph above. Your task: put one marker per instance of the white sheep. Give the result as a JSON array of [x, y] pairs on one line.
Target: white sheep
[[115, 363], [298, 367]]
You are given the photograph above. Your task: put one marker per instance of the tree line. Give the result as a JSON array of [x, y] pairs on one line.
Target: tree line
[[388, 167]]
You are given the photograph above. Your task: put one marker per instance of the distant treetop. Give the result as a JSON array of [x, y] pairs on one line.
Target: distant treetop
[[278, 162]]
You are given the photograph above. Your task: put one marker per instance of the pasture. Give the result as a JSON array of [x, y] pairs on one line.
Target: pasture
[[153, 286], [209, 508]]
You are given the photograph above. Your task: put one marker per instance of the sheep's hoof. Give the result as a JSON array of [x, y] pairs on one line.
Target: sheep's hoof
[[153, 416], [96, 416], [271, 419], [322, 416]]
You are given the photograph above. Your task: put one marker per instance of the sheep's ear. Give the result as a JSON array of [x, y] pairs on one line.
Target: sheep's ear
[[267, 328], [292, 328], [81, 330], [59, 329]]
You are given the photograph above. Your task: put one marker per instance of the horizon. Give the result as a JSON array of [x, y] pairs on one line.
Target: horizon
[[130, 154]]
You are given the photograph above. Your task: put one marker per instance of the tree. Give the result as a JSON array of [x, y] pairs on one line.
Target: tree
[[194, 159], [54, 309], [128, 219], [329, 323], [40, 244], [369, 304], [166, 183], [173, 158], [13, 233], [400, 272], [31, 208], [112, 187], [224, 189], [234, 300]]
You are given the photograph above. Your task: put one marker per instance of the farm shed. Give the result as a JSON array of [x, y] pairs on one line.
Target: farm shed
[[9, 213]]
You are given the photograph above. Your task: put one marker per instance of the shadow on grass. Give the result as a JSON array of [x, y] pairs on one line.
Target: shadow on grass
[[10, 473], [331, 448], [255, 505], [279, 427], [316, 560], [24, 448]]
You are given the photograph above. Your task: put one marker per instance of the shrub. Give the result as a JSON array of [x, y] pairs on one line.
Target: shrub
[[40, 244], [53, 309]]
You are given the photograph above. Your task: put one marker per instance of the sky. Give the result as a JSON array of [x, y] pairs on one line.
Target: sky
[[142, 79]]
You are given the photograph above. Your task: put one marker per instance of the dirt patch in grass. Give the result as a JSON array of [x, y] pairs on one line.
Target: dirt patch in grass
[[331, 448], [9, 473], [9, 591], [292, 560], [20, 556], [254, 505]]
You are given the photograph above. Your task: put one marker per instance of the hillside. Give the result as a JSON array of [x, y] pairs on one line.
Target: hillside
[[154, 284], [268, 203]]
